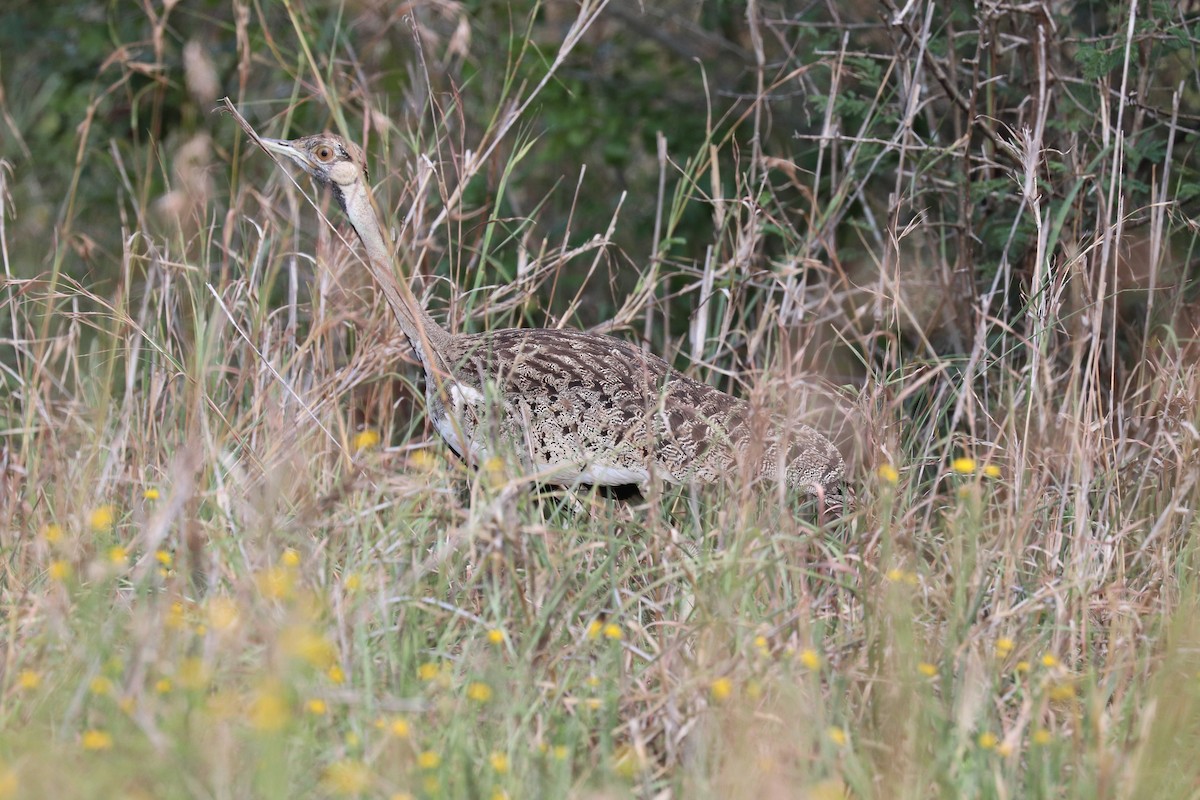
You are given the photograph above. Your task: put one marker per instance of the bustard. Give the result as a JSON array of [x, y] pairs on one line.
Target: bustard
[[577, 408]]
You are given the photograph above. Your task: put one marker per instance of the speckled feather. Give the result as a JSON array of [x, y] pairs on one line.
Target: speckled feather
[[577, 406]]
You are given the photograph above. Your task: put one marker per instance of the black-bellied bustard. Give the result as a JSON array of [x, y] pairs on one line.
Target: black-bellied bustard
[[577, 408]]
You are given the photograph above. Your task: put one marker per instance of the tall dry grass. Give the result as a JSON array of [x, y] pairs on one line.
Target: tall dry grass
[[238, 563]]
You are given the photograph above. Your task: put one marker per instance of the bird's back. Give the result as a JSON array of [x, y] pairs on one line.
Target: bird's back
[[588, 408]]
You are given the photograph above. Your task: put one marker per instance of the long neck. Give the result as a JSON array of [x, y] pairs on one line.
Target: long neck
[[428, 339]]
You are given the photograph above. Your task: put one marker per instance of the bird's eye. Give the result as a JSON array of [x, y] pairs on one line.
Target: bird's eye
[[324, 153]]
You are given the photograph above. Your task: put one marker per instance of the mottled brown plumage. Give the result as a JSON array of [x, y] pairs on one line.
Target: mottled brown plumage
[[574, 407]]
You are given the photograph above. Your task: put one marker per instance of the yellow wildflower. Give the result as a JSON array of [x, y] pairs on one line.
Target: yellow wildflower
[[304, 644], [963, 466], [118, 555], [479, 692], [422, 460], [336, 675], [102, 518], [150, 494], [428, 760], [1049, 661], [276, 583], [317, 706], [59, 570], [594, 629], [593, 703], [560, 752], [193, 673], [987, 740], [164, 557], [52, 533], [162, 685], [1042, 737], [400, 728], [1022, 666], [29, 679], [290, 558], [352, 582], [97, 740], [499, 762], [626, 762], [223, 613], [888, 474], [428, 671], [721, 689], [268, 709], [366, 439], [613, 631], [347, 777], [1062, 691], [927, 669], [810, 659], [100, 685], [1004, 646], [496, 636], [991, 471], [837, 735]]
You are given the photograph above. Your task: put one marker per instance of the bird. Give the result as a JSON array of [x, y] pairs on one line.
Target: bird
[[576, 408]]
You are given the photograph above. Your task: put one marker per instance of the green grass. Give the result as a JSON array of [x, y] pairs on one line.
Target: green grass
[[236, 561]]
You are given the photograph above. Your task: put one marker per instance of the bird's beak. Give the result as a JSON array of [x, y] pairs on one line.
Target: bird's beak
[[282, 147]]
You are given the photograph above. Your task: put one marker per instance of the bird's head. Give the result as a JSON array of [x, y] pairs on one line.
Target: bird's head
[[328, 158]]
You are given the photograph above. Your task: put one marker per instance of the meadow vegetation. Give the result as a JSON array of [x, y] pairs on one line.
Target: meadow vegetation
[[236, 561]]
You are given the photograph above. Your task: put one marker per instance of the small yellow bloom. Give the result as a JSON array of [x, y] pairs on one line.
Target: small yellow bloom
[[422, 460], [351, 739], [28, 679], [1062, 691], [1042, 737], [428, 760], [1022, 666], [431, 784], [9, 783], [613, 631], [762, 645], [987, 740], [175, 617], [193, 673], [400, 796], [97, 740], [721, 689], [560, 752], [495, 636], [927, 669], [963, 466], [317, 706], [1049, 661], [164, 557], [223, 613], [991, 471], [336, 675], [593, 704], [100, 685], [595, 628], [479, 692], [277, 583], [162, 685], [59, 570], [366, 439], [494, 467], [52, 533], [1004, 646], [837, 735], [290, 558], [1005, 749], [150, 494], [268, 709], [428, 671], [352, 582], [810, 659], [499, 794], [400, 728], [118, 555], [499, 762], [888, 474], [305, 644], [102, 518], [347, 777]]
